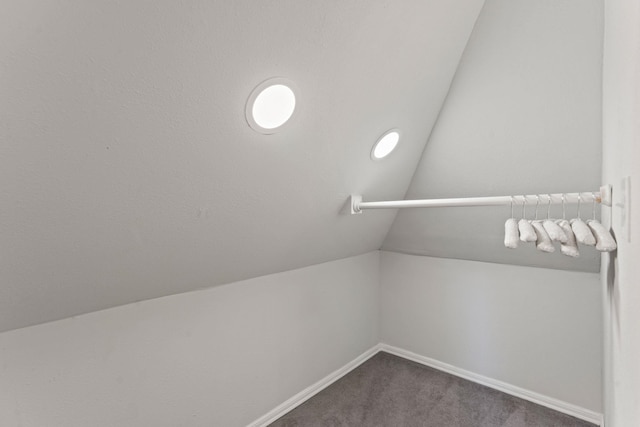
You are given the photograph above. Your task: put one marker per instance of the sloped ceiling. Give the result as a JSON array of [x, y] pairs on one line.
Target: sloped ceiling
[[127, 170], [523, 117]]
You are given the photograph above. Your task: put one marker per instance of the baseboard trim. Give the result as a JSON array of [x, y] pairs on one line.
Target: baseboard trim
[[540, 399], [314, 389], [531, 396]]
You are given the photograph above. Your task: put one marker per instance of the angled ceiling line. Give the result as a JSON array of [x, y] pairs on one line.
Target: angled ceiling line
[[435, 123]]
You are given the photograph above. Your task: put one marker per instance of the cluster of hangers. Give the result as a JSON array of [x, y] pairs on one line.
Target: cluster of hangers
[[568, 233]]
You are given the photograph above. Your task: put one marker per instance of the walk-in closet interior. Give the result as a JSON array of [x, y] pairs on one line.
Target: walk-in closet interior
[[214, 212]]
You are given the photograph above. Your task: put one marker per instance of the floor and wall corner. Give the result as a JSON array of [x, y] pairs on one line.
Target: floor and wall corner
[[230, 354], [163, 264]]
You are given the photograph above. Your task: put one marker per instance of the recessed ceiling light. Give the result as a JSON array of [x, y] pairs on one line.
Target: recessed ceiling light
[[271, 105], [385, 144]]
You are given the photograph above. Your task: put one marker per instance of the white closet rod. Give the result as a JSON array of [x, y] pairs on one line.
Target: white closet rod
[[603, 196]]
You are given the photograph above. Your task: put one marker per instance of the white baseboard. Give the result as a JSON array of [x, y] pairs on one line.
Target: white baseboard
[[540, 399], [531, 396], [314, 389]]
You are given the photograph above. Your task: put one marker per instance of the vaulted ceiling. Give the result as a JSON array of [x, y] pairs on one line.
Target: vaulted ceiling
[[523, 116], [128, 171]]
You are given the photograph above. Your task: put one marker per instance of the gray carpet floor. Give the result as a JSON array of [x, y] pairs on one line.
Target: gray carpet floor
[[391, 391]]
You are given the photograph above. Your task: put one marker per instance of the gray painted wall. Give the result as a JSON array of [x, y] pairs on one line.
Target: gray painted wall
[[218, 357], [523, 116], [538, 329], [229, 354], [621, 270], [128, 173]]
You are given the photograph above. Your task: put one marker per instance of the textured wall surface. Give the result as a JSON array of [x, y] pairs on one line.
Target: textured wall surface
[[523, 116], [218, 357], [128, 171], [535, 328]]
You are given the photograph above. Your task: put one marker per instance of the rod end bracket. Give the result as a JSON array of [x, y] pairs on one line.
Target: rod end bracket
[[605, 195], [353, 204]]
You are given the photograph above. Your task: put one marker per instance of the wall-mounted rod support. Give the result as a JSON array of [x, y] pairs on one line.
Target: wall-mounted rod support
[[603, 196]]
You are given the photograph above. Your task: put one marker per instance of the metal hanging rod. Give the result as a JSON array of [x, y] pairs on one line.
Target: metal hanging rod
[[603, 196]]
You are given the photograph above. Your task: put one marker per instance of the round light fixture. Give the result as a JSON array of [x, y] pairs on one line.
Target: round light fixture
[[385, 144], [271, 105]]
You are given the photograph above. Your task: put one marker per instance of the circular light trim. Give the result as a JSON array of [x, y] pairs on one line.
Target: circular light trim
[[385, 144], [271, 105]]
